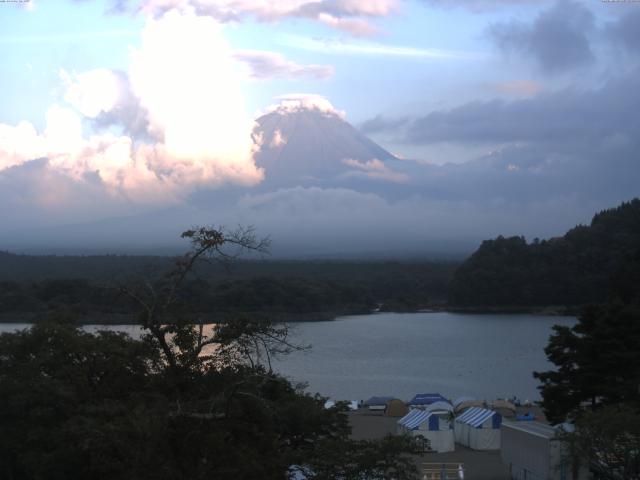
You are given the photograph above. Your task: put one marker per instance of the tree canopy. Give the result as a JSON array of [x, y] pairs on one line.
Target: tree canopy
[[576, 269], [597, 360], [183, 402]]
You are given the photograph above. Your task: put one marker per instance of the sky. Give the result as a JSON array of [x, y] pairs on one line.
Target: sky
[[123, 121]]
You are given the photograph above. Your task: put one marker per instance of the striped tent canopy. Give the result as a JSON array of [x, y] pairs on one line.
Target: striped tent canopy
[[476, 416], [415, 418]]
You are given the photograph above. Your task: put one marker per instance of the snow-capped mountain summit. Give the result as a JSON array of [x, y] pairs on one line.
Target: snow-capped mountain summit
[[306, 141]]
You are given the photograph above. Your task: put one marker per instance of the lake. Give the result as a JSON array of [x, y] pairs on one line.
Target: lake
[[396, 354], [400, 354]]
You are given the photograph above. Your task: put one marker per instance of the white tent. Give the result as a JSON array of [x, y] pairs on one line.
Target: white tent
[[440, 407], [478, 429], [433, 427], [461, 404]]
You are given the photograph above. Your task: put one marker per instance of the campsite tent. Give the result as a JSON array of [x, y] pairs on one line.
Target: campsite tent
[[430, 426], [422, 399], [378, 403], [461, 404], [351, 404], [396, 408], [440, 407], [478, 428], [504, 408]]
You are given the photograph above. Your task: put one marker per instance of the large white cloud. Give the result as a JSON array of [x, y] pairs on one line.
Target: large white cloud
[[183, 92]]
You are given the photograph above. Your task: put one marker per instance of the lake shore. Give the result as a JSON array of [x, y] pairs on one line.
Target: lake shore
[[102, 318]]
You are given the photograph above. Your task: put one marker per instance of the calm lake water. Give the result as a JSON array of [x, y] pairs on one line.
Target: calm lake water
[[396, 354]]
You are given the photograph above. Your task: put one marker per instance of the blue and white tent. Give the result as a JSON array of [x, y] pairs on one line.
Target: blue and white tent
[[431, 426], [478, 428]]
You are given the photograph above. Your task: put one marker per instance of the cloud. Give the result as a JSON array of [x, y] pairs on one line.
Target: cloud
[[558, 39], [181, 116], [66, 37], [346, 47], [570, 117], [105, 97], [264, 65], [582, 144], [625, 31], [482, 5], [297, 102], [333, 220], [352, 16], [373, 169], [355, 26], [380, 123], [522, 88]]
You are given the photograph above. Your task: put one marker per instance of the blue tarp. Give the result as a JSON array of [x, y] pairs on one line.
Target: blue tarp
[[426, 399], [526, 417]]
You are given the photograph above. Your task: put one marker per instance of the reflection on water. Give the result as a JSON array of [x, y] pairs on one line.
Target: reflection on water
[[396, 354]]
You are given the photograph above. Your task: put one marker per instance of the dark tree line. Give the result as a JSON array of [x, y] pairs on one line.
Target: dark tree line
[[579, 268], [263, 294], [273, 287]]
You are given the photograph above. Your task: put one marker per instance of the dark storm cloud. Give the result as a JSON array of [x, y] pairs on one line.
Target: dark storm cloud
[[564, 117], [626, 30], [482, 5], [558, 39]]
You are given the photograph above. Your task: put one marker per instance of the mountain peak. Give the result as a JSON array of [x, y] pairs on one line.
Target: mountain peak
[[306, 141]]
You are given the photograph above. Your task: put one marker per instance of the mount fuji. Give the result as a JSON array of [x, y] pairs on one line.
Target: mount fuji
[[306, 142]]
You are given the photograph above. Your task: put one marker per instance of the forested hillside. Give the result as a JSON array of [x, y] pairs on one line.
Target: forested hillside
[[576, 269], [287, 289]]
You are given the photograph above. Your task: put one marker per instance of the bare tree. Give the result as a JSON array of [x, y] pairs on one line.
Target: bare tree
[[183, 340]]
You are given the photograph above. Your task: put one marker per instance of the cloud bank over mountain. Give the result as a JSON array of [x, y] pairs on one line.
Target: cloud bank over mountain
[[167, 142]]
